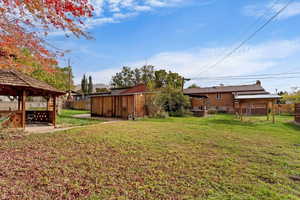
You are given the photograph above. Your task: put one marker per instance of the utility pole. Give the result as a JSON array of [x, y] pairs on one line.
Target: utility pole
[[70, 74], [182, 83]]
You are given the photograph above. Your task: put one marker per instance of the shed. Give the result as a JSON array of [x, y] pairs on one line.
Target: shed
[[19, 85], [126, 103], [268, 100]]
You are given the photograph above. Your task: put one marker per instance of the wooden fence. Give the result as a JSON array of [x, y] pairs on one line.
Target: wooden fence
[[297, 113], [79, 105], [284, 108]]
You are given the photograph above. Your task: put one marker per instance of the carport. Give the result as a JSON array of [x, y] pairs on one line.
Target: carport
[[268, 99]]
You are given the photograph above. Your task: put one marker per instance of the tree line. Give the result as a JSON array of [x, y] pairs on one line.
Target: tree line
[[147, 75]]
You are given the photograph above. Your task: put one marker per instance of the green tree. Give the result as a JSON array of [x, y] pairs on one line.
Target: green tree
[[137, 76], [146, 75], [125, 78], [171, 101], [90, 85], [161, 77], [59, 78], [293, 97], [194, 86], [84, 84]]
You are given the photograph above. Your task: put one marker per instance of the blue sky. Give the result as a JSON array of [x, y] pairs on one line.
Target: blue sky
[[187, 36]]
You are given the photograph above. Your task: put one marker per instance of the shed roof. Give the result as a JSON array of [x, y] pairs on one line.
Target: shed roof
[[216, 89], [17, 79], [261, 96]]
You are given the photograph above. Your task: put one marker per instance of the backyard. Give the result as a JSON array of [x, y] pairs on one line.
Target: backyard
[[217, 157]]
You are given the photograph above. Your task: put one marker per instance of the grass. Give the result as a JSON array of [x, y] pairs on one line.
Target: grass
[[66, 118], [211, 158]]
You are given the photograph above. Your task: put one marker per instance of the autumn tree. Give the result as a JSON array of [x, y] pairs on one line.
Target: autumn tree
[[24, 26]]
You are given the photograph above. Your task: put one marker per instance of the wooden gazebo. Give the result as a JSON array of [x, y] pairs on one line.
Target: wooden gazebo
[[20, 86]]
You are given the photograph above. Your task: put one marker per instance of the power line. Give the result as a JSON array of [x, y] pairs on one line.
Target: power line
[[248, 28], [248, 38], [265, 15], [246, 76], [253, 78]]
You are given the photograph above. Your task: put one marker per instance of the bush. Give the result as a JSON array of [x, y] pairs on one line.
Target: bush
[[168, 102], [154, 109]]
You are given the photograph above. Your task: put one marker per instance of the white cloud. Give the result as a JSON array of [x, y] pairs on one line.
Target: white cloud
[[266, 10], [251, 59], [115, 10]]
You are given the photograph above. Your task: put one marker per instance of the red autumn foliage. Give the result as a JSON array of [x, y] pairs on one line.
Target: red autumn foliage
[[22, 22]]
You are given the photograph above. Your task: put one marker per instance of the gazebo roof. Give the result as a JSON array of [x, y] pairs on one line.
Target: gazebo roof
[[11, 81]]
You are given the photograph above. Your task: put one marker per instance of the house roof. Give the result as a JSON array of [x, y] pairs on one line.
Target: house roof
[[262, 96], [15, 79], [251, 92], [216, 89]]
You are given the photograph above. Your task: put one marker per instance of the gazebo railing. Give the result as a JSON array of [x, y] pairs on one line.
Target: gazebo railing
[[43, 116]]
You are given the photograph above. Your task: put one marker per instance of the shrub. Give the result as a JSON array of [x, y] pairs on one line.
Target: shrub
[[154, 109], [169, 101]]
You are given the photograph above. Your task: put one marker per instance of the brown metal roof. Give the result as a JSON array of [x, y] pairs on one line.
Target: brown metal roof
[[17, 79], [251, 92], [236, 88]]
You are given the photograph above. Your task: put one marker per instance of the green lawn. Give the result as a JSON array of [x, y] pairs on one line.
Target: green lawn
[[65, 118], [217, 157]]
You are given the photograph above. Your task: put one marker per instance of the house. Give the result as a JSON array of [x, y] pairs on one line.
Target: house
[[126, 103], [226, 98]]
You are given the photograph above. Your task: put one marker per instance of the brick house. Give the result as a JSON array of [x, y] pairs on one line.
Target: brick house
[[222, 98]]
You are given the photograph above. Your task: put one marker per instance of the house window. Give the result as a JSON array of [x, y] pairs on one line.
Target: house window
[[219, 96]]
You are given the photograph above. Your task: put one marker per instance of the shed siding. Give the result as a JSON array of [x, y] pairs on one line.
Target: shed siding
[[118, 106]]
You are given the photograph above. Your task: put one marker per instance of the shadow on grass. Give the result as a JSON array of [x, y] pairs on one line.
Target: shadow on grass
[[234, 122], [291, 125], [63, 119]]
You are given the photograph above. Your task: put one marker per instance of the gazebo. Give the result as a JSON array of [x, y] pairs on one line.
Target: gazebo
[[21, 86]]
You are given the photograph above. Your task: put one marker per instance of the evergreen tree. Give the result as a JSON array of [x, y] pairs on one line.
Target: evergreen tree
[[84, 85], [90, 85]]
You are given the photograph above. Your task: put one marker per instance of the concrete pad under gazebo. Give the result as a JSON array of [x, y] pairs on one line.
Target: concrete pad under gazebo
[[267, 99], [21, 86]]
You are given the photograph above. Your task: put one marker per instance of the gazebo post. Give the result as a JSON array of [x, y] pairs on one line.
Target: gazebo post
[[19, 102], [54, 110], [23, 108], [273, 111], [268, 116], [241, 110]]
